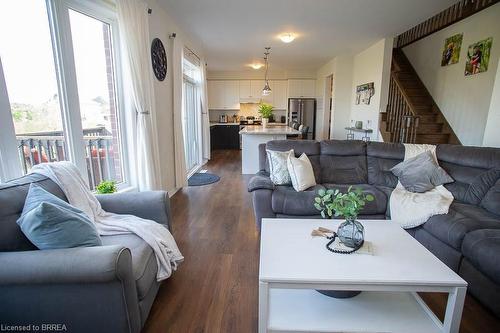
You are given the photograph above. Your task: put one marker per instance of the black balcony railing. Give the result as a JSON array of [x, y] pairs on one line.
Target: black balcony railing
[[102, 162]]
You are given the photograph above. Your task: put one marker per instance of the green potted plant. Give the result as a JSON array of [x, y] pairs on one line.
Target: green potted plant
[[106, 187], [265, 111], [333, 203]]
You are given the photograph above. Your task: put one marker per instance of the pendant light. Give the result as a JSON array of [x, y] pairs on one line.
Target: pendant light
[[267, 90]]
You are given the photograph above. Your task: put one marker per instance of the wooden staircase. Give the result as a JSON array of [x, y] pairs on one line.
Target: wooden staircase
[[412, 116]]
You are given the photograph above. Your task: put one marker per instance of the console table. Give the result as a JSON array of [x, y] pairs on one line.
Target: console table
[[365, 131]]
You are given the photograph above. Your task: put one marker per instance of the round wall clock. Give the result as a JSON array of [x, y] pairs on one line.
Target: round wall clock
[[159, 59]]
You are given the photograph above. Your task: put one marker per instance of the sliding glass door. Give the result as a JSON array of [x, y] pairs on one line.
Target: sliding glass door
[[191, 124], [191, 117]]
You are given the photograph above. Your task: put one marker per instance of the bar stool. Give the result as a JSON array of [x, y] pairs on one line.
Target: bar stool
[[304, 131]]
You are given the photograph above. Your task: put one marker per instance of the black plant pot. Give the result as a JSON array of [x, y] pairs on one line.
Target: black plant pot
[[340, 293]]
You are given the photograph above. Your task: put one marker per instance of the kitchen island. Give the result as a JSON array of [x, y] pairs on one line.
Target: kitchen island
[[253, 136]]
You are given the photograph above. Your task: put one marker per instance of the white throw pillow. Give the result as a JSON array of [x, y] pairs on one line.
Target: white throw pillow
[[278, 170], [301, 172]]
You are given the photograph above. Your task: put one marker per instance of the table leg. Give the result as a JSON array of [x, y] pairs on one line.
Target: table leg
[[454, 309], [263, 306]]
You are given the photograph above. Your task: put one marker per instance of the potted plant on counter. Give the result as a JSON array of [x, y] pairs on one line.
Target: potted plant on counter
[[265, 111]]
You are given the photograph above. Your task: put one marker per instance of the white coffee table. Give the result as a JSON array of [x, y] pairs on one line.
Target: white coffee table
[[293, 264]]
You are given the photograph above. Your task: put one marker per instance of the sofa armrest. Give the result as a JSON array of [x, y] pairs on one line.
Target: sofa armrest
[[260, 183], [53, 286], [150, 205], [74, 265]]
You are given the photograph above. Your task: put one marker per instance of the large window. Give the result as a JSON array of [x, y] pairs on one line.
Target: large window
[[92, 48], [62, 85], [30, 76]]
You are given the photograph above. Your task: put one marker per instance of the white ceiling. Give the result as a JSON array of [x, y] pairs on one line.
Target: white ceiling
[[233, 33]]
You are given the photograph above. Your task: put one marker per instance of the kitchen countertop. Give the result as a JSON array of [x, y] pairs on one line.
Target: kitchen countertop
[[215, 123], [269, 130]]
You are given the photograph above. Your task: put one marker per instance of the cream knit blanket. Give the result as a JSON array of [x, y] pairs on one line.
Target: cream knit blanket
[[67, 176], [413, 209]]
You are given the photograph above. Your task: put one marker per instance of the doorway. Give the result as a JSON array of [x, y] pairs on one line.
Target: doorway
[[328, 106]]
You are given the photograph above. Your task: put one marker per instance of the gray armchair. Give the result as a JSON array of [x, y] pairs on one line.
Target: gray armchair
[[109, 288]]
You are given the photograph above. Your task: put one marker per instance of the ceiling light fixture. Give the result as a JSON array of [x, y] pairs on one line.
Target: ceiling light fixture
[[287, 37], [267, 90], [256, 66]]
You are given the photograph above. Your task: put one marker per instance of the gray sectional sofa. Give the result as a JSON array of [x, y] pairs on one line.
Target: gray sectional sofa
[[467, 239], [107, 288]]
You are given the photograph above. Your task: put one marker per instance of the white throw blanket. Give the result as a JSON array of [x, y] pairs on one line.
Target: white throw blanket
[[413, 209], [67, 176]]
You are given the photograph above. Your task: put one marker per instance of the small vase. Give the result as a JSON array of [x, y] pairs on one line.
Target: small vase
[[351, 233], [264, 122]]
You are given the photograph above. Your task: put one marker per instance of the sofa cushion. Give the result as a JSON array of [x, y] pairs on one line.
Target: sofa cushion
[[381, 158], [451, 228], [491, 201], [474, 212], [12, 197], [143, 260], [421, 173], [343, 162], [285, 200], [309, 147], [52, 223], [278, 169], [474, 169], [377, 206], [481, 248], [301, 172]]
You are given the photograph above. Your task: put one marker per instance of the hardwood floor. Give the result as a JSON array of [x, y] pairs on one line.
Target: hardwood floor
[[215, 289]]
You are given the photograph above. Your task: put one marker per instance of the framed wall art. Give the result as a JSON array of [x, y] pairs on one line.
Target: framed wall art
[[478, 57]]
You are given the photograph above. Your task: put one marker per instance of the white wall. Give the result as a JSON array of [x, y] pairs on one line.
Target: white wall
[[370, 65], [491, 135], [322, 103], [465, 101], [160, 26], [342, 85]]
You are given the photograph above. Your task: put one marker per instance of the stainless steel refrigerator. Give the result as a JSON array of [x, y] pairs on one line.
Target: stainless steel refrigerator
[[303, 111]]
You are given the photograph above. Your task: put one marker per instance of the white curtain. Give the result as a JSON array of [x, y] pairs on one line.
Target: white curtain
[[180, 159], [134, 32], [205, 120]]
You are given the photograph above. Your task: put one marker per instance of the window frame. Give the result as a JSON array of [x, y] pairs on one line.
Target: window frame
[[64, 61]]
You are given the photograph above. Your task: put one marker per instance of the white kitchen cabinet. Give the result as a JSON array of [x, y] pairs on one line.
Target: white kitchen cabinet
[[223, 94], [279, 94], [245, 89], [309, 88], [251, 89], [294, 88], [232, 95], [216, 94], [301, 88], [257, 86], [269, 99]]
